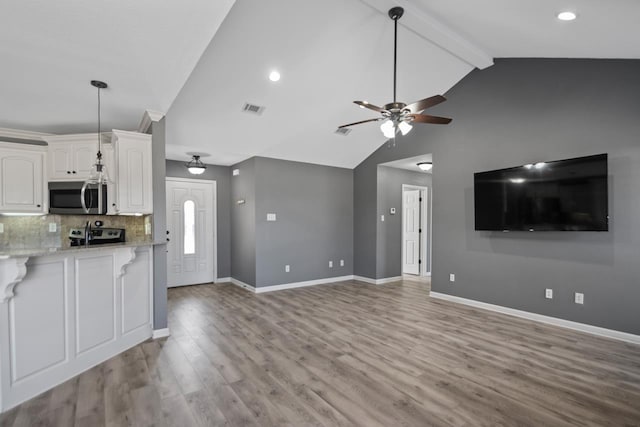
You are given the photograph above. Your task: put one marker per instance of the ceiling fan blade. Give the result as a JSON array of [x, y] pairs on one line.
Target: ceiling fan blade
[[363, 121], [365, 104], [424, 118], [423, 104]]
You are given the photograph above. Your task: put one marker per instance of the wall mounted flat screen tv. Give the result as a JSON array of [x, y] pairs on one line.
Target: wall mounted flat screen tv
[[564, 195]]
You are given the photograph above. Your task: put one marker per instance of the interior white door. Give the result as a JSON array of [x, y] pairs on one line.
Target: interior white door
[[411, 232], [191, 232]]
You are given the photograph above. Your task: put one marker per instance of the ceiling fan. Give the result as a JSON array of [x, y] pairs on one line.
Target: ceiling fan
[[398, 116]]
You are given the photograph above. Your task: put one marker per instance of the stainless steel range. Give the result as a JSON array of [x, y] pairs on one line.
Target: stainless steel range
[[96, 236]]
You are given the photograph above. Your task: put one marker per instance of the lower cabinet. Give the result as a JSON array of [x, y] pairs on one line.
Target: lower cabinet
[[69, 313]]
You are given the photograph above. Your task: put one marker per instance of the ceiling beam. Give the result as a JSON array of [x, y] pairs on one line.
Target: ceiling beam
[[435, 32]]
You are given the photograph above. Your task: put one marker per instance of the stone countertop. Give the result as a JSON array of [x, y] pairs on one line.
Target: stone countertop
[[44, 251]]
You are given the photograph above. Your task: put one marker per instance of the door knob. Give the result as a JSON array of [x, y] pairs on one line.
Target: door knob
[[168, 239]]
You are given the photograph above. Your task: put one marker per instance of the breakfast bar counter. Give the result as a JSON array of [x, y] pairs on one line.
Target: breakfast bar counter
[[65, 310]]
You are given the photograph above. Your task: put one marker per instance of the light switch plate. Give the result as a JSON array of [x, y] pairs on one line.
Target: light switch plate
[[287, 268], [382, 218], [1, 227], [579, 298], [452, 277], [53, 227], [271, 217], [548, 293], [341, 263]]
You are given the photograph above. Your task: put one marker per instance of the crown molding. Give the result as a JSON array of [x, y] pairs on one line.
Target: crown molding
[[23, 134], [149, 117], [435, 32]]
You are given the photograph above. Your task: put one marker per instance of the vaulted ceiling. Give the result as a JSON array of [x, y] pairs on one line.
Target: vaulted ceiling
[[201, 60]]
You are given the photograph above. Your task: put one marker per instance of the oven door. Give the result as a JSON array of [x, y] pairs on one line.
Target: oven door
[[64, 198]]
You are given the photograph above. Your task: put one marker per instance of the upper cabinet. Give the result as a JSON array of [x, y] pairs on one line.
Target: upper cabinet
[[22, 178], [132, 174], [71, 156]]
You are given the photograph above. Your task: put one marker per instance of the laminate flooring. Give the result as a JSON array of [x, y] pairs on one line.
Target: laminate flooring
[[348, 354]]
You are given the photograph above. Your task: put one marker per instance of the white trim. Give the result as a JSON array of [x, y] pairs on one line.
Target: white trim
[[433, 30], [149, 117], [22, 134], [377, 281], [326, 281], [160, 333], [223, 280], [568, 324]]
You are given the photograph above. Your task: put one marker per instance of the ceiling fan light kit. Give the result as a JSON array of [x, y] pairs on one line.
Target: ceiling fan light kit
[[398, 116]]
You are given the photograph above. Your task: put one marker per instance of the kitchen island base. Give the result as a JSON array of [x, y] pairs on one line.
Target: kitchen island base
[[64, 313]]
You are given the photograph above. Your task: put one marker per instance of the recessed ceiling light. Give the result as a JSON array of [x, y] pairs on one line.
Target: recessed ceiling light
[[274, 76], [567, 16]]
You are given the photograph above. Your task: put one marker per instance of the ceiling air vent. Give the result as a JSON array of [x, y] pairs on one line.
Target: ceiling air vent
[[343, 131], [252, 108]]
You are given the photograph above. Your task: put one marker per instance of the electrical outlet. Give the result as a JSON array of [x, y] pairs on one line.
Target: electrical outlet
[[548, 293], [236, 172], [271, 217], [341, 263], [287, 268], [147, 228], [1, 227], [53, 227], [452, 277], [382, 218], [579, 299], [330, 264]]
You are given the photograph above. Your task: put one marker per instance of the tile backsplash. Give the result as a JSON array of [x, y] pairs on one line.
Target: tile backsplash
[[27, 232]]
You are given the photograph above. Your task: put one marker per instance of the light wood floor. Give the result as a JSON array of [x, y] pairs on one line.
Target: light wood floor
[[348, 354]]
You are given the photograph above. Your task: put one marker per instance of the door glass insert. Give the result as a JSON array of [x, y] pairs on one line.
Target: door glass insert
[[189, 209]]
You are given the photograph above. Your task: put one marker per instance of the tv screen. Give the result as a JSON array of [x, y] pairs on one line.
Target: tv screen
[[564, 195]]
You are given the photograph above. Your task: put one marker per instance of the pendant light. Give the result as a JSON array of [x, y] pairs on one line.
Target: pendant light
[[98, 176], [195, 166]]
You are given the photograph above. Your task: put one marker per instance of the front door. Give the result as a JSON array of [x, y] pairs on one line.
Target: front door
[[190, 231], [411, 232]]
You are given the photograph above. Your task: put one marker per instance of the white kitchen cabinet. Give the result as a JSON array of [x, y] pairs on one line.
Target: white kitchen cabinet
[[71, 156], [22, 178], [132, 173]]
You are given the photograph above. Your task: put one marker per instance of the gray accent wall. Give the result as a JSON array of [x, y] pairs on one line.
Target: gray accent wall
[[389, 232], [523, 111], [222, 176], [314, 221], [243, 223], [158, 132]]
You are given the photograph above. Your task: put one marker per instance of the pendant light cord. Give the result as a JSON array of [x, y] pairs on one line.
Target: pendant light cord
[[99, 154]]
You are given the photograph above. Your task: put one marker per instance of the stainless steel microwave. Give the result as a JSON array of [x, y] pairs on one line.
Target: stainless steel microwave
[[66, 198]]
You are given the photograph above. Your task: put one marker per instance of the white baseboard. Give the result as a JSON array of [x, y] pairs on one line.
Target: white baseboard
[[242, 284], [284, 286], [582, 327], [160, 333], [223, 280], [377, 281], [325, 281]]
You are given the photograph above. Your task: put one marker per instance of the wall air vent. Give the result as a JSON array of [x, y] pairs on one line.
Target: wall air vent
[[252, 108], [343, 131]]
